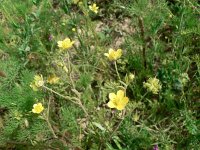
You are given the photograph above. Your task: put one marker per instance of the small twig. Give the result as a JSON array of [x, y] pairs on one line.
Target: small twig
[[117, 127], [65, 97], [47, 119], [144, 96], [77, 100]]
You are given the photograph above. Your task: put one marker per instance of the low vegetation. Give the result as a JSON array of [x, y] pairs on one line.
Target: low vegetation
[[102, 74]]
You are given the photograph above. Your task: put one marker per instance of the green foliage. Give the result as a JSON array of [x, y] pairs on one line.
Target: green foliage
[[158, 38]]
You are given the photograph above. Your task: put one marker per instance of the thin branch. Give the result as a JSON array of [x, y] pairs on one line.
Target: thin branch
[[77, 100], [118, 125], [65, 97], [47, 119]]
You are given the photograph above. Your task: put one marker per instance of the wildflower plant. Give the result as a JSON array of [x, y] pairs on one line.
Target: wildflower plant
[[65, 44], [94, 8], [118, 100], [37, 108], [53, 79], [37, 83], [153, 85], [113, 55], [74, 74]]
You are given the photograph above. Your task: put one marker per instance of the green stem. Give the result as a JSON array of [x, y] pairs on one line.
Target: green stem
[[47, 119], [70, 70], [77, 100], [144, 95], [65, 97], [117, 70], [118, 125]]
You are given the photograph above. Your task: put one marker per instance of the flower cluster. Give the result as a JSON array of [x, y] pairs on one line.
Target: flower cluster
[[153, 85], [37, 82], [53, 79]]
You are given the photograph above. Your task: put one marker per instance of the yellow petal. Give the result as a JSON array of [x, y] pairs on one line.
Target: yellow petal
[[35, 105], [33, 110], [40, 105], [120, 107], [106, 54], [67, 40], [122, 103], [120, 94], [112, 96], [110, 50], [59, 43], [118, 53], [111, 104]]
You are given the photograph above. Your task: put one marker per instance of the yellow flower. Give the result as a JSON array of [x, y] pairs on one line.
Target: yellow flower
[[118, 101], [73, 29], [153, 85], [65, 44], [37, 108], [94, 8], [37, 82], [113, 55], [53, 79]]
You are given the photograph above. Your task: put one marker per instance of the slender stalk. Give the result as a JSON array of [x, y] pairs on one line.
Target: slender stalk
[[144, 95], [47, 119], [77, 100], [70, 70], [83, 108], [124, 84], [65, 97], [116, 69], [117, 127]]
